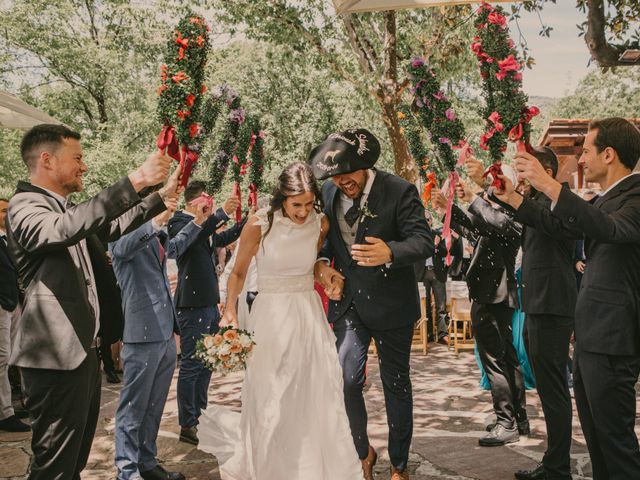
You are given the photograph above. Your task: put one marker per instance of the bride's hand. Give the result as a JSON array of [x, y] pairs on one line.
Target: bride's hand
[[334, 290], [229, 318]]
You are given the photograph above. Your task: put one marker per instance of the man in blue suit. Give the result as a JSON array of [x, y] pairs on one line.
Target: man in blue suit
[[149, 353], [197, 295]]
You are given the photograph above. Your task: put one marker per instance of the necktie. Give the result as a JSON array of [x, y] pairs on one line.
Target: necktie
[[161, 250], [353, 213]]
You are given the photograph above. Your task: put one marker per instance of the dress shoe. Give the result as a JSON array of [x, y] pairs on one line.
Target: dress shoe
[[189, 435], [112, 376], [535, 474], [159, 473], [13, 424], [398, 475], [444, 340], [523, 427], [368, 463], [499, 435]]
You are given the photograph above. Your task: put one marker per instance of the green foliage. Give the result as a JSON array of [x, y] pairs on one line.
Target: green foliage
[[603, 94]]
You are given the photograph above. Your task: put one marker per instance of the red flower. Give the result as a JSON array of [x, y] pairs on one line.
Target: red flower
[[163, 72], [191, 98], [203, 89], [494, 117], [243, 169], [179, 77], [509, 64], [200, 40], [194, 128], [162, 88], [196, 20], [497, 19], [476, 47], [183, 114]]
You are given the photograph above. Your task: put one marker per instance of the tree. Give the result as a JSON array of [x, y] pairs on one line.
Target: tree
[[611, 28], [366, 50], [603, 94]]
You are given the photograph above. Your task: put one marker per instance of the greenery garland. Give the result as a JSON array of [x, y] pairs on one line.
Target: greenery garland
[[256, 160], [506, 112], [434, 109], [226, 147], [411, 130], [181, 90]]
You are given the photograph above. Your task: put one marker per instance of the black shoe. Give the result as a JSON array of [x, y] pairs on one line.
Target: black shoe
[[13, 424], [523, 427], [535, 474], [112, 376], [159, 473], [499, 435], [189, 435]]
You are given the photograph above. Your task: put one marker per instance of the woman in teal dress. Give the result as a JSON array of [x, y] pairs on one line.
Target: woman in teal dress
[[517, 325]]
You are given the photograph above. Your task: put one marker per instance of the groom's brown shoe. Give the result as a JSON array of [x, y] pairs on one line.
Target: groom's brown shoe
[[398, 475], [368, 463]]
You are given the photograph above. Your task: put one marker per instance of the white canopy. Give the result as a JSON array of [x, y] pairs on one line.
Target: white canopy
[[354, 6], [14, 113]]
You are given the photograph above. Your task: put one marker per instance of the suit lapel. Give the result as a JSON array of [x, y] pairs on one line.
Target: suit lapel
[[626, 184], [372, 202]]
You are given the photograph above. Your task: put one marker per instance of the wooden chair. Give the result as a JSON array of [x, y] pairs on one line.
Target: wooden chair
[[460, 338], [420, 335]]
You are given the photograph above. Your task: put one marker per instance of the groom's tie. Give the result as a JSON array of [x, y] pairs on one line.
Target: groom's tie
[[353, 213]]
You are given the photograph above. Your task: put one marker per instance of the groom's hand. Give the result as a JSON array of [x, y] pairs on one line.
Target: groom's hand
[[373, 254], [330, 279]]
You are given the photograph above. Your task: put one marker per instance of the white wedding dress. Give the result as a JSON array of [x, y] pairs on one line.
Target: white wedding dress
[[293, 423]]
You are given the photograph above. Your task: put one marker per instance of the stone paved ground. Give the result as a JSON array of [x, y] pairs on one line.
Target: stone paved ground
[[450, 413]]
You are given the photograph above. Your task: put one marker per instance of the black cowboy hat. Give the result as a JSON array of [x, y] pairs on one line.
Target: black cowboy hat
[[344, 152]]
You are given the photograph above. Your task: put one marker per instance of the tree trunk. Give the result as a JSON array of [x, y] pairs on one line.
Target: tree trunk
[[388, 96], [604, 53], [404, 165]]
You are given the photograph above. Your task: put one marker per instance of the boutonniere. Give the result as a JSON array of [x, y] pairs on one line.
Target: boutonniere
[[366, 213]]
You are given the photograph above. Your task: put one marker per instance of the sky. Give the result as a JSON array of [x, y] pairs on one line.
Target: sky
[[562, 59]]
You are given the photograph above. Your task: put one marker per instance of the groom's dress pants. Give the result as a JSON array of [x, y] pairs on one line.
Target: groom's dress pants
[[394, 349], [64, 407]]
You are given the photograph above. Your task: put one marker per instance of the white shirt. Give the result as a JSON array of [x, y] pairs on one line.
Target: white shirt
[[347, 202], [80, 256]]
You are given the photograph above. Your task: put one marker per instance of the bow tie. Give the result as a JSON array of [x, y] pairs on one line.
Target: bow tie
[[351, 215]]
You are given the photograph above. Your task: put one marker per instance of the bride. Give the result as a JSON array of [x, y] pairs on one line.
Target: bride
[[293, 423]]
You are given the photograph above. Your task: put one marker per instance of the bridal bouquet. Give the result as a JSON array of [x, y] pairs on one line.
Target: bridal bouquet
[[225, 352]]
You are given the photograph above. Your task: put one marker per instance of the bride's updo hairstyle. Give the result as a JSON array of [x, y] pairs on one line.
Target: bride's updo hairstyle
[[296, 179]]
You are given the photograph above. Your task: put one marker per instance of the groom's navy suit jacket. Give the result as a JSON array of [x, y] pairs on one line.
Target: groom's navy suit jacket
[[385, 297]]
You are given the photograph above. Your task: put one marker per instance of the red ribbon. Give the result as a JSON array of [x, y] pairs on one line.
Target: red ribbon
[[168, 140], [203, 198], [237, 193], [446, 228], [495, 170], [187, 161], [252, 199]]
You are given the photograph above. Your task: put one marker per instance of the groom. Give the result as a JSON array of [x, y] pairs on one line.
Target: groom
[[378, 231]]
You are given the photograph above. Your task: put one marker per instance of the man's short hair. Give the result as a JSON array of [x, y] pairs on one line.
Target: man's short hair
[[47, 134], [621, 135], [194, 189], [547, 158]]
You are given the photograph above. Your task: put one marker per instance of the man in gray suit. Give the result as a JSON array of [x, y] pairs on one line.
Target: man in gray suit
[[149, 353], [50, 241]]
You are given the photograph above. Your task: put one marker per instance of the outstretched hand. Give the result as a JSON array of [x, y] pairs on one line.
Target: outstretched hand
[[372, 254]]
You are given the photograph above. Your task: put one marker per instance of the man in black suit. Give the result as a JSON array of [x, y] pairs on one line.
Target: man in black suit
[[378, 231], [607, 331], [9, 300], [493, 291], [432, 272], [49, 240], [548, 299], [197, 296]]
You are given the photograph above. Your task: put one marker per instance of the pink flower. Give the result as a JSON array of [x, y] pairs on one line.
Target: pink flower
[[511, 43], [439, 96], [450, 114], [444, 140], [509, 64], [494, 117], [497, 19], [417, 62]]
